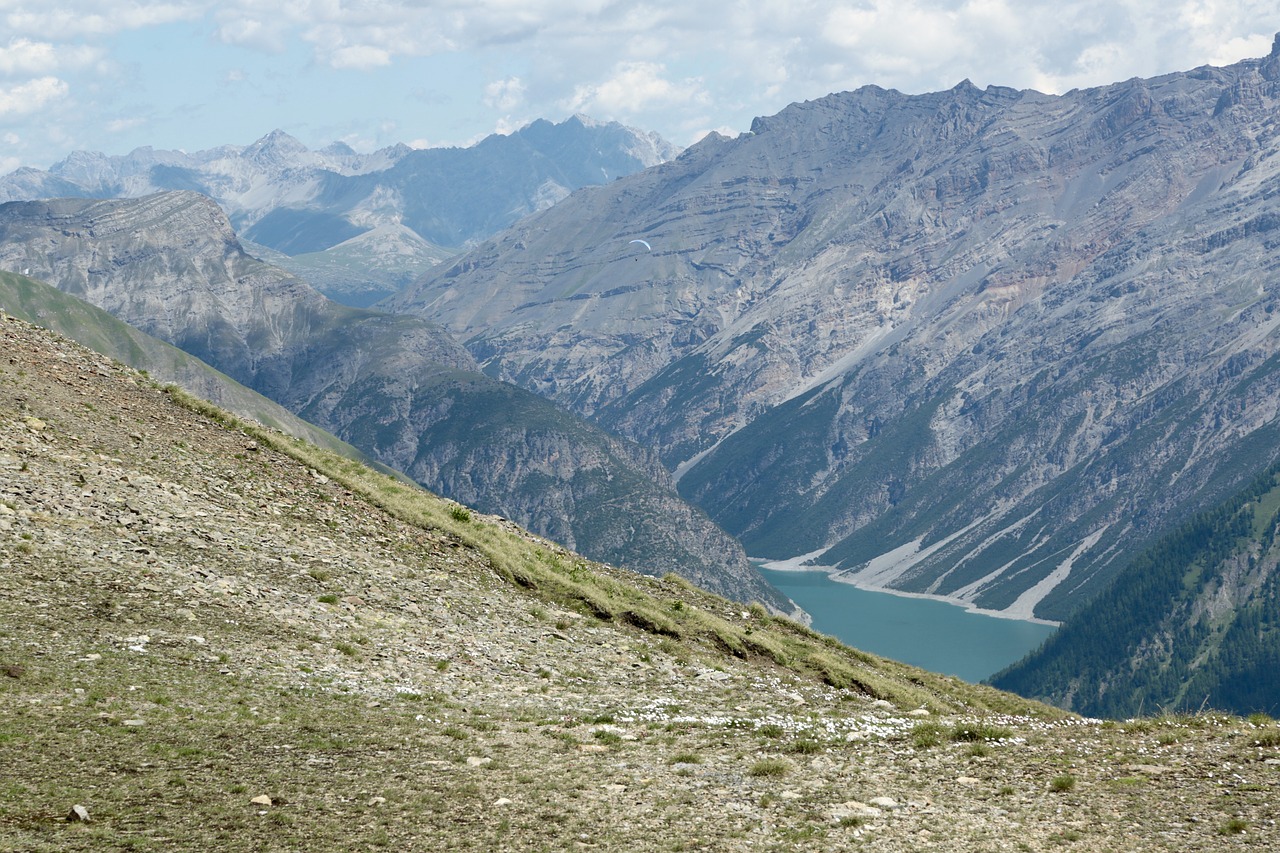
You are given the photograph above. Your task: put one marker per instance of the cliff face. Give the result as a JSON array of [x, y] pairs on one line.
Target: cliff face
[[396, 387], [978, 343], [170, 265]]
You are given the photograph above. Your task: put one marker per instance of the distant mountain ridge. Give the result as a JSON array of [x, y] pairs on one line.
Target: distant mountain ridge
[[976, 343], [395, 211], [396, 387]]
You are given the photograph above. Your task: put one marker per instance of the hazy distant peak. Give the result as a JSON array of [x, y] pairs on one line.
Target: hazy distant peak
[[278, 139], [276, 146], [288, 197], [338, 149], [76, 159]]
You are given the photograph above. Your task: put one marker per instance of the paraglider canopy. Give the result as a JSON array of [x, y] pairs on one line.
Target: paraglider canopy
[[643, 243]]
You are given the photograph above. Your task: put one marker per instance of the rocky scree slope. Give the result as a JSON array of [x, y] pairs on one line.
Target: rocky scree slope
[[360, 226], [396, 387], [977, 343], [88, 325], [206, 643]]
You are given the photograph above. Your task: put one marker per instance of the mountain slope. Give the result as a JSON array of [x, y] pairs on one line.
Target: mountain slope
[[1193, 622], [216, 638], [975, 343], [40, 303], [396, 387], [366, 224]]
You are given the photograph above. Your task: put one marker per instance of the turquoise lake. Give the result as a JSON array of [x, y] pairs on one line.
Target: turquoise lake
[[930, 634]]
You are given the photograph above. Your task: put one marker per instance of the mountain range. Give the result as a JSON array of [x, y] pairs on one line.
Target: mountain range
[[394, 386], [1013, 350], [982, 344], [360, 226]]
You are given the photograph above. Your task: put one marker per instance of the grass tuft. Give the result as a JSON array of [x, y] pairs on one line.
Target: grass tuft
[[769, 767], [1062, 784]]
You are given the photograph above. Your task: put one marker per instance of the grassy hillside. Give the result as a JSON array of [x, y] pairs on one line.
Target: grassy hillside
[[37, 302], [213, 636]]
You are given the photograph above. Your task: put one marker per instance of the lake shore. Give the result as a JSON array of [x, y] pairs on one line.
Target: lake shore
[[923, 630], [800, 564]]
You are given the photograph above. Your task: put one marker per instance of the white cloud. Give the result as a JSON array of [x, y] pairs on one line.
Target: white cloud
[[342, 35], [923, 45], [1234, 49], [31, 96], [505, 126], [504, 95], [122, 125], [71, 20], [359, 56], [252, 33], [22, 56], [632, 88]]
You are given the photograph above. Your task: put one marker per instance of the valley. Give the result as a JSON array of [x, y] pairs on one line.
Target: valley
[[1017, 335], [991, 346]]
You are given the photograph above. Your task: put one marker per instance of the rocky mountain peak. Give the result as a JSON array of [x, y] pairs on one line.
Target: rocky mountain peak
[[276, 140], [278, 150], [1270, 68], [339, 149]]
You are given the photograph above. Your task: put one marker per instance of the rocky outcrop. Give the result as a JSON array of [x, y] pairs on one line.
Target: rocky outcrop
[[976, 343], [396, 387], [170, 265]]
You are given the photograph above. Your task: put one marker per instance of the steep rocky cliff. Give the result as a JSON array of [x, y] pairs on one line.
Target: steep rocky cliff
[[975, 343], [396, 387]]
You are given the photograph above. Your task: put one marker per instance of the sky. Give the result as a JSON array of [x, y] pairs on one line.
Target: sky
[[111, 76]]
